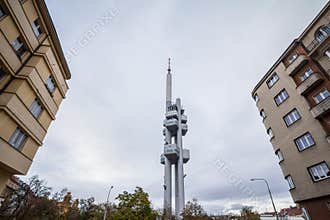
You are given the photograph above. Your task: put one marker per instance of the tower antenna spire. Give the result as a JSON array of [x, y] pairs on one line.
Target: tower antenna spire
[[169, 66]]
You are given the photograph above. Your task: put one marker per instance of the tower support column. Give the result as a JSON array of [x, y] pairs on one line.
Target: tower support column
[[168, 190], [181, 199], [177, 213]]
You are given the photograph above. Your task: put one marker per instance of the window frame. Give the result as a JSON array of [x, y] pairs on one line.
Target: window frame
[[279, 152], [289, 113], [288, 96], [327, 53], [3, 10], [263, 114], [322, 33], [22, 48], [270, 83], [13, 140], [39, 110], [304, 77], [256, 98], [3, 72], [294, 185], [295, 141], [315, 165], [37, 27], [292, 57], [271, 130], [319, 92], [51, 79]]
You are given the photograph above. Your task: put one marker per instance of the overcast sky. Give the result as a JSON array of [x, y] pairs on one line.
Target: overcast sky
[[109, 128]]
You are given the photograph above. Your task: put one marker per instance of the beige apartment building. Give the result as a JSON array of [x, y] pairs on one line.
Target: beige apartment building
[[293, 99], [33, 75]]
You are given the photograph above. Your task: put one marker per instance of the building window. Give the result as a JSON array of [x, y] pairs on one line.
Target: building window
[[305, 141], [270, 133], [17, 139], [263, 114], [2, 11], [36, 108], [290, 182], [327, 52], [319, 172], [322, 95], [36, 28], [306, 74], [281, 97], [272, 80], [291, 117], [256, 98], [50, 84], [292, 57], [18, 46], [3, 72], [279, 155], [328, 204], [322, 33]]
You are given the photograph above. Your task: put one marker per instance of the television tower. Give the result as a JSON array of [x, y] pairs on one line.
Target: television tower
[[175, 127]]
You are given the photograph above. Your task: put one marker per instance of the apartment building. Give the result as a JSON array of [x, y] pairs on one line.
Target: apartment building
[[33, 82], [293, 99]]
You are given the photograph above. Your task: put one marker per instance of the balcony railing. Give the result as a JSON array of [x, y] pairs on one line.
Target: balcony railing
[[309, 83], [296, 64], [317, 41], [321, 109]]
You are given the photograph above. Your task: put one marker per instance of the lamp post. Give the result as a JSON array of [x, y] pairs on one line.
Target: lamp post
[[270, 194], [106, 207]]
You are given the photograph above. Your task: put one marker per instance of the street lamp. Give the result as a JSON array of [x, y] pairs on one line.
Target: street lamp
[[106, 207], [270, 193]]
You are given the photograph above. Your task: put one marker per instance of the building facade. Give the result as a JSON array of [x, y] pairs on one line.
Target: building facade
[[293, 99], [33, 82]]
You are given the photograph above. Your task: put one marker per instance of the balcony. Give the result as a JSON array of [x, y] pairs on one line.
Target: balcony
[[322, 37], [312, 81], [186, 155], [184, 129], [171, 152], [171, 124], [296, 64], [321, 109], [13, 160]]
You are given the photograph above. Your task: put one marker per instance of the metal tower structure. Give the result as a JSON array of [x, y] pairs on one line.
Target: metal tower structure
[[175, 127]]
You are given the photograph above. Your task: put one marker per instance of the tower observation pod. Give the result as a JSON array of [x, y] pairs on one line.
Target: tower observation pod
[[175, 127]]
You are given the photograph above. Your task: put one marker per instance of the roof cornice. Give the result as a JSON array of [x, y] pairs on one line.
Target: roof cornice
[[53, 34]]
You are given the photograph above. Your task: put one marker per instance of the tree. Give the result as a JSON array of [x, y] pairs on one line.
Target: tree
[[29, 200], [194, 211], [248, 214], [89, 210], [134, 206]]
